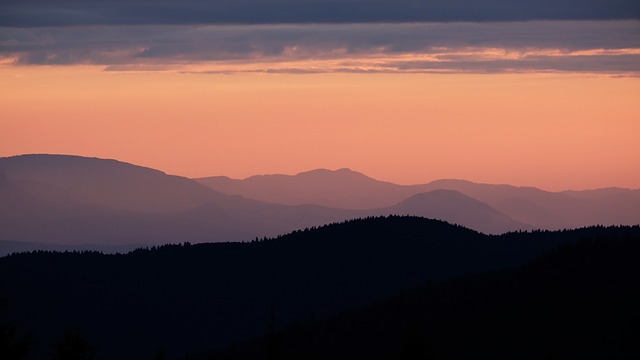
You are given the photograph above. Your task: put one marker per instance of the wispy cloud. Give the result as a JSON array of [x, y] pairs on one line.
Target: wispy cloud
[[611, 47]]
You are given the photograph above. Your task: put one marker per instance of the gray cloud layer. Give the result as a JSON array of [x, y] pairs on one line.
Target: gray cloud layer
[[39, 13], [586, 46]]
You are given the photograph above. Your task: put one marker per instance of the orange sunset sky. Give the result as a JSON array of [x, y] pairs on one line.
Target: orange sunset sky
[[554, 128], [551, 131]]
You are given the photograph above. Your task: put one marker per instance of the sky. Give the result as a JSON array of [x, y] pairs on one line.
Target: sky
[[536, 93]]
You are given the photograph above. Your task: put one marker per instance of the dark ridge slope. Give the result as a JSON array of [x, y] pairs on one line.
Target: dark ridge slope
[[574, 302], [194, 297]]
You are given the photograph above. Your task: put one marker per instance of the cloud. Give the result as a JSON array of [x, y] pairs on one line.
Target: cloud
[[39, 13], [579, 46]]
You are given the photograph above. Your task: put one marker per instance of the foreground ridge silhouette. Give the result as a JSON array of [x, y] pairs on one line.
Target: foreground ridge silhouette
[[575, 301], [192, 298]]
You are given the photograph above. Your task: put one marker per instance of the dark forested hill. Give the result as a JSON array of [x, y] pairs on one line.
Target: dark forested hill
[[191, 298], [455, 207], [579, 301]]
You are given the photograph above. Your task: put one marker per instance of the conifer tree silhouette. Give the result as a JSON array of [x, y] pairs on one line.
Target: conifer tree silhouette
[[158, 354], [12, 348], [73, 346], [272, 337]]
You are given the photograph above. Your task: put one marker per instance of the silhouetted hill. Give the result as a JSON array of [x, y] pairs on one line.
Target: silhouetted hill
[[104, 183], [92, 203], [575, 302], [348, 189], [596, 194], [341, 188], [456, 208], [528, 205], [72, 200], [195, 297], [553, 210]]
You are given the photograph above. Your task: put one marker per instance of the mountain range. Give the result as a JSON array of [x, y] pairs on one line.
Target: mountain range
[[347, 189], [91, 203], [76, 200]]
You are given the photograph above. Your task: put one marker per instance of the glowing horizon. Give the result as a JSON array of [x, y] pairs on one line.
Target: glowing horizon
[[572, 131], [550, 104]]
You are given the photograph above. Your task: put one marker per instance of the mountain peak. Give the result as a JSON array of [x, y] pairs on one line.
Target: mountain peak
[[341, 188], [342, 172], [58, 162], [105, 182], [458, 208]]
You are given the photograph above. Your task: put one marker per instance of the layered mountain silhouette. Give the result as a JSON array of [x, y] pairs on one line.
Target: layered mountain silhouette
[[75, 180], [72, 200], [341, 188], [75, 200], [192, 298], [348, 189], [456, 208]]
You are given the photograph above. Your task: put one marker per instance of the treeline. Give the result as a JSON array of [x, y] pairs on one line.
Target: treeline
[[193, 298]]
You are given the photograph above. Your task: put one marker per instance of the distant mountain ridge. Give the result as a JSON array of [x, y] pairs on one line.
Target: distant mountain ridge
[[348, 189], [342, 188], [79, 201], [105, 183], [73, 200]]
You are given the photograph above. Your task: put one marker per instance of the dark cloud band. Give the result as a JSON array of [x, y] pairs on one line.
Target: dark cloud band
[[38, 13], [584, 46]]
